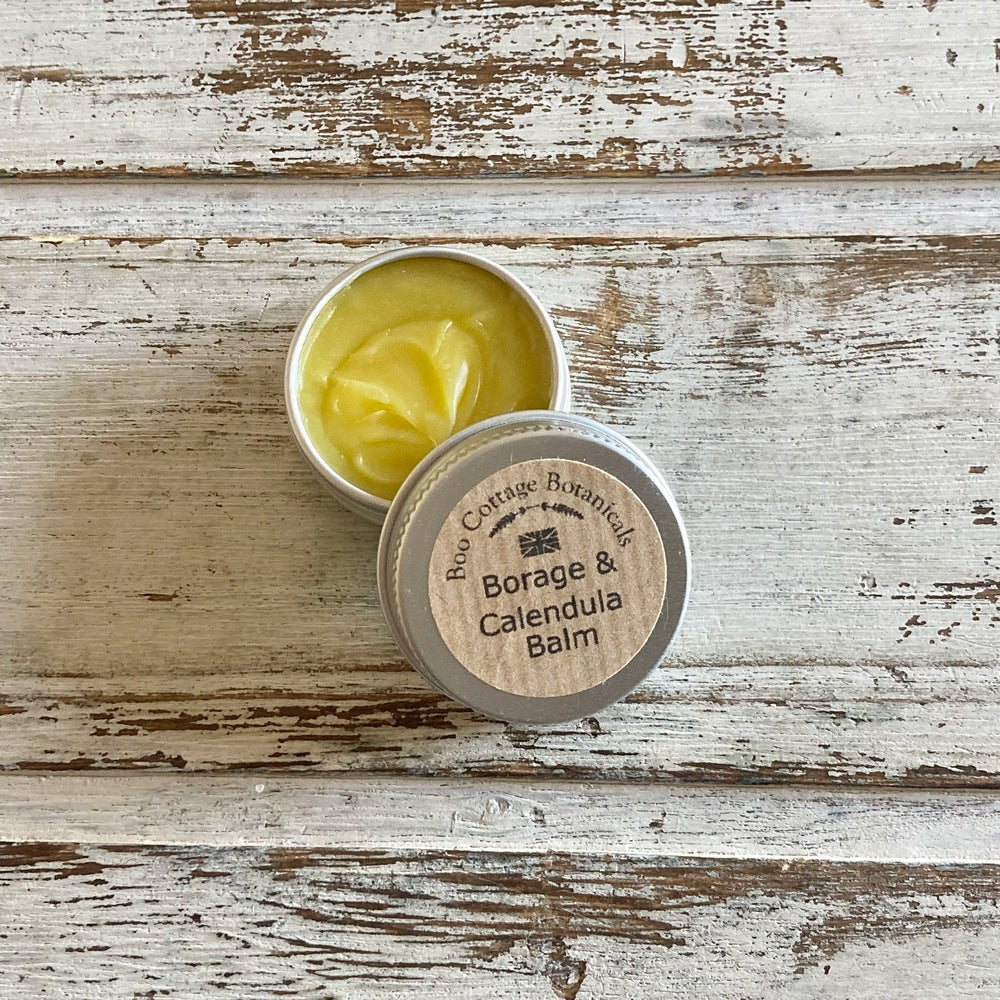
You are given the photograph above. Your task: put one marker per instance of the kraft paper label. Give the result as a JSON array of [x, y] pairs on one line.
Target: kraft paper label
[[547, 578]]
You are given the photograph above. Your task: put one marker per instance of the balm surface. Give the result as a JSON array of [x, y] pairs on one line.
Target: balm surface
[[409, 353]]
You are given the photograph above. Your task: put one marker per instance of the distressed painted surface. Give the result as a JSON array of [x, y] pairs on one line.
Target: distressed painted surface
[[218, 778], [179, 593], [126, 921], [406, 814], [418, 87], [697, 723], [527, 211]]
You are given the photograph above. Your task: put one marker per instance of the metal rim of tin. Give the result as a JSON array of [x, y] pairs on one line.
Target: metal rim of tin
[[368, 505], [425, 499]]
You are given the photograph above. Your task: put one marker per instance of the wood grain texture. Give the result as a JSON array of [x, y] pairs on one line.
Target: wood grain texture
[[521, 210], [418, 87], [120, 920], [406, 814], [218, 777], [179, 593]]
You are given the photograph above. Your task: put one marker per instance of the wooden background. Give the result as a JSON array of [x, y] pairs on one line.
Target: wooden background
[[218, 777]]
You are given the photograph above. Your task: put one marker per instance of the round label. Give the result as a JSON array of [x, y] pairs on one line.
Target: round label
[[547, 578]]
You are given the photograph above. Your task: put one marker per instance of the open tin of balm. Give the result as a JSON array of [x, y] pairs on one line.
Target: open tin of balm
[[402, 351], [532, 565]]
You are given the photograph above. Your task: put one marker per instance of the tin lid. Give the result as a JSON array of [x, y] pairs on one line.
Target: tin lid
[[534, 567]]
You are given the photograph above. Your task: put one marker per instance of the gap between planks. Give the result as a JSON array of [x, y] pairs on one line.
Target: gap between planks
[[522, 210], [430, 814]]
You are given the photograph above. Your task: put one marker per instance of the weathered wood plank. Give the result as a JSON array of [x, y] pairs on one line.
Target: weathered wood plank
[[125, 921], [811, 722], [417, 87], [349, 812], [179, 593], [526, 210]]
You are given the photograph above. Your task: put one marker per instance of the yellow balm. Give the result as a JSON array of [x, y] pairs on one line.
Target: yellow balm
[[410, 352]]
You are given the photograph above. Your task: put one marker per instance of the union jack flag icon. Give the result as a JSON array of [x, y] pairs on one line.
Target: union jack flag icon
[[538, 543]]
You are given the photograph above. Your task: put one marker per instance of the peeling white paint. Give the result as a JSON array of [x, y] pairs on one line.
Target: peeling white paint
[[778, 87]]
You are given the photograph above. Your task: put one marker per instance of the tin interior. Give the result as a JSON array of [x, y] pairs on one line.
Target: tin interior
[[368, 505]]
